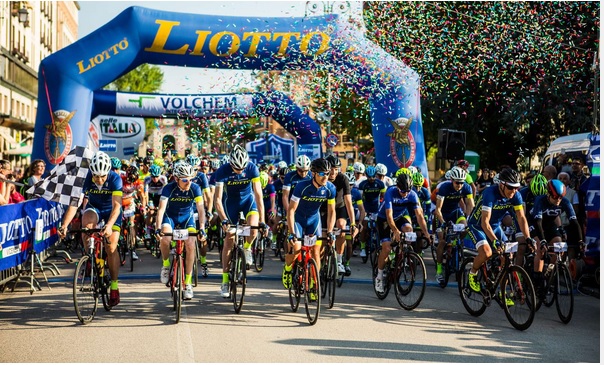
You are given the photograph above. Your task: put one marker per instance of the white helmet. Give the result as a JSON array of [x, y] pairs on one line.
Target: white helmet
[[239, 158], [458, 174], [100, 164], [224, 160], [303, 162], [183, 170], [448, 175], [358, 167], [282, 165], [381, 169], [350, 176], [412, 169]]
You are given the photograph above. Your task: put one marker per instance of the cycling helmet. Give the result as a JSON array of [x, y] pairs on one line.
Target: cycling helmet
[[349, 168], [193, 160], [224, 160], [239, 158], [183, 170], [412, 170], [204, 163], [539, 185], [496, 179], [381, 169], [125, 163], [418, 179], [448, 175], [509, 177], [131, 174], [463, 163], [159, 162], [155, 170], [556, 189], [282, 165], [402, 171], [333, 161], [283, 171], [263, 179], [370, 171], [116, 164], [359, 167], [303, 162], [350, 176], [404, 182], [320, 164], [458, 174], [214, 164], [100, 164]]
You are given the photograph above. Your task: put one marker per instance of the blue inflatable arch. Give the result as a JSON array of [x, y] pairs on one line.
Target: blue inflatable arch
[[68, 78], [273, 103]]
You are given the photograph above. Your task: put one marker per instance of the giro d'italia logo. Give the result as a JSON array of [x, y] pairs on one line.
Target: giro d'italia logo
[[58, 138], [402, 143]]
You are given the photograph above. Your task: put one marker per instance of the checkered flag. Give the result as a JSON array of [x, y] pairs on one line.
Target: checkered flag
[[65, 182]]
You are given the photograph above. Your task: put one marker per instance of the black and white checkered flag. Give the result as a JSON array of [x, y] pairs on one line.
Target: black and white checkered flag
[[65, 182]]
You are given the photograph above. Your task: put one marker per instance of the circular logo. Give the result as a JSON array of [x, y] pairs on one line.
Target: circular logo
[[332, 140], [58, 138], [403, 154]]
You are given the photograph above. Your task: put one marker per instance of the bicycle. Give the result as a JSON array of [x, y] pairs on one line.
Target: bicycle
[[151, 239], [127, 241], [373, 241], [281, 239], [306, 281], [328, 272], [258, 248], [404, 269], [176, 281], [500, 281], [90, 279], [453, 253]]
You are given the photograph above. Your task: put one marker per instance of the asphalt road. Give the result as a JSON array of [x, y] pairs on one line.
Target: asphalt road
[[43, 327]]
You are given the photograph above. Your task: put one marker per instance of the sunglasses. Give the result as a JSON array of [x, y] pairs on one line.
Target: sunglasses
[[458, 182], [186, 180], [99, 176], [404, 191], [323, 173], [511, 188]]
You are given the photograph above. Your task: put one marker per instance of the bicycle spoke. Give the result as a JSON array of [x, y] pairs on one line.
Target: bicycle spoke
[[411, 281], [471, 300], [85, 298], [312, 291], [564, 295], [518, 298]]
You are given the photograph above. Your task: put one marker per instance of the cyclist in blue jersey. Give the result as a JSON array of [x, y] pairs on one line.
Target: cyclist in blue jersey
[[485, 220], [269, 197], [373, 191], [393, 217], [537, 186], [202, 180], [303, 216], [103, 191], [447, 209], [176, 207], [238, 191], [359, 216], [300, 173]]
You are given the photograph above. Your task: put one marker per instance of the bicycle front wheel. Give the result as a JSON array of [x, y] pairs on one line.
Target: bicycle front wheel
[[312, 290], [518, 298], [177, 284], [295, 288], [85, 297], [131, 246], [564, 293], [410, 281], [237, 278], [261, 244], [471, 300]]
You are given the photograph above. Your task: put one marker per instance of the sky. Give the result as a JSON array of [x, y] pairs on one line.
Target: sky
[[94, 14]]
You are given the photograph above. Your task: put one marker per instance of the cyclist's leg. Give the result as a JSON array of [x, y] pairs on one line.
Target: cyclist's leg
[[341, 217]]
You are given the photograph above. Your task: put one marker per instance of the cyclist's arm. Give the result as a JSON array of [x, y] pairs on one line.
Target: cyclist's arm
[[291, 214], [469, 200], [207, 198], [349, 208], [485, 218], [259, 198], [218, 201], [522, 222], [285, 198], [163, 202], [362, 213], [437, 209], [273, 206], [201, 212], [116, 208], [331, 215], [419, 214]]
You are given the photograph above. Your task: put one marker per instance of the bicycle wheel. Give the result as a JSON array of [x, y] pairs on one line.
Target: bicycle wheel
[[103, 288], [294, 289], [433, 251], [123, 249], [329, 284], [195, 271], [85, 298], [312, 292], [237, 278], [471, 300], [177, 284], [410, 281], [131, 246], [259, 253], [520, 311], [564, 293]]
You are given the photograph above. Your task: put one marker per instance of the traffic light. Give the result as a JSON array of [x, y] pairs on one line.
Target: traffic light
[[451, 144]]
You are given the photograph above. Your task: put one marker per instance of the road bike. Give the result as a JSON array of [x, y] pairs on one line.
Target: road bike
[[508, 284], [328, 272], [176, 281], [372, 239], [91, 279], [127, 243], [258, 248], [404, 269], [281, 240], [453, 254], [306, 281]]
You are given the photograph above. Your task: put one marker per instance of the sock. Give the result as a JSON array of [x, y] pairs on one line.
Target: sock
[[439, 268], [246, 246], [166, 263], [380, 274], [339, 258], [225, 277], [114, 285], [288, 268], [363, 245], [203, 260], [188, 279]]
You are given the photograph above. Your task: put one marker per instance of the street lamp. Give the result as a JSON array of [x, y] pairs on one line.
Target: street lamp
[[23, 15]]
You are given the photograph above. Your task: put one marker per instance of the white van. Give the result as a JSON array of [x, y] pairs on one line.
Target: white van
[[572, 146]]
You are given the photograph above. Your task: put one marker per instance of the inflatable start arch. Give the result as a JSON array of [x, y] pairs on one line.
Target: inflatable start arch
[[68, 78]]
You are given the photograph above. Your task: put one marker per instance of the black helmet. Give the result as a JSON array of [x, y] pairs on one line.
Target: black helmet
[[404, 182], [509, 177], [333, 161], [320, 164]]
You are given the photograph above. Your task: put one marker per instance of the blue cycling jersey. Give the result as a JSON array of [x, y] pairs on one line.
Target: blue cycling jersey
[[292, 179], [237, 186], [451, 197], [310, 198], [371, 191], [529, 201], [399, 205], [212, 179], [202, 180], [278, 185], [424, 197], [545, 210], [180, 203], [266, 196], [100, 197], [357, 198], [491, 200]]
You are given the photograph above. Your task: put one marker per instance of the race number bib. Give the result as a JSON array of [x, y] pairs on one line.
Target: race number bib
[[310, 241], [458, 227], [243, 231], [410, 236], [180, 234], [511, 247], [560, 247]]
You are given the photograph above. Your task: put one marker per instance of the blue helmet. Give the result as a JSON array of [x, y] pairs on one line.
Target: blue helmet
[[556, 188], [116, 163], [370, 171], [155, 170]]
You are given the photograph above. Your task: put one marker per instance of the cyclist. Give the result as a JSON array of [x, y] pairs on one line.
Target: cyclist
[[202, 180], [154, 183], [359, 215], [176, 204], [133, 190], [373, 191], [393, 217], [344, 210], [546, 212], [292, 178], [103, 191], [269, 198], [485, 220], [359, 173], [238, 191], [463, 164], [538, 186], [424, 198], [447, 209], [303, 217], [381, 170], [116, 166]]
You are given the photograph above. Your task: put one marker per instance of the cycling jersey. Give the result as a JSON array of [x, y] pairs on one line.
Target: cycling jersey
[[278, 185], [267, 192], [129, 191], [100, 198], [181, 204], [155, 187], [357, 199], [309, 199], [238, 195], [545, 210], [451, 197], [491, 200], [399, 205], [424, 197], [202, 180], [291, 179], [371, 191]]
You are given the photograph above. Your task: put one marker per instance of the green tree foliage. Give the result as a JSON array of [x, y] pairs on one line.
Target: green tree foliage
[[513, 75]]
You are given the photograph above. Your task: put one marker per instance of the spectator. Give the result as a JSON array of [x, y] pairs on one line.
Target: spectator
[[577, 177], [550, 172], [13, 195], [571, 195], [563, 163], [36, 170], [484, 181], [5, 169]]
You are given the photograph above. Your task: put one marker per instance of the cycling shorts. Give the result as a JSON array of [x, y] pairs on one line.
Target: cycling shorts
[[247, 207], [479, 238], [308, 226], [181, 222], [384, 229], [454, 216], [104, 216]]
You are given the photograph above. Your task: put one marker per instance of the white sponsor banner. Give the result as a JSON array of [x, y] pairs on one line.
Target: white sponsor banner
[[198, 105], [119, 136]]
